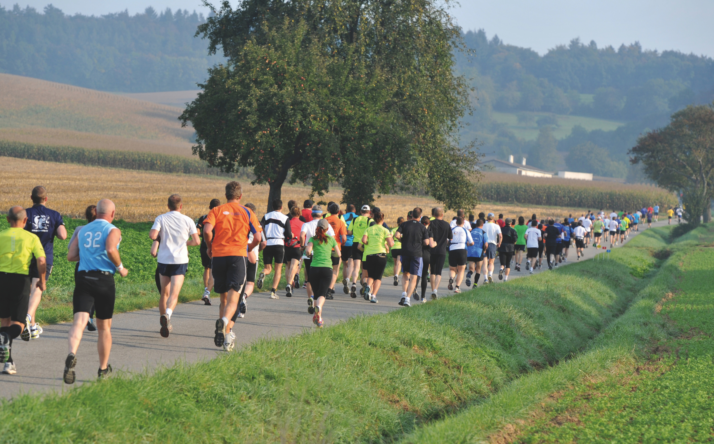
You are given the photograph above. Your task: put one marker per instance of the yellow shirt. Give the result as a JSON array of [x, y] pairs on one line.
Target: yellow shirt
[[670, 213], [17, 247]]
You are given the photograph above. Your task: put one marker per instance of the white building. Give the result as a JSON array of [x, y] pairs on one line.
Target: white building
[[510, 167], [575, 176]]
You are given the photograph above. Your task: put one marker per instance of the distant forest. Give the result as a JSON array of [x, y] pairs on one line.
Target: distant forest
[[157, 51]]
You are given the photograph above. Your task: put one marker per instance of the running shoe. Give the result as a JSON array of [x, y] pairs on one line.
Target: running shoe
[[35, 332], [289, 291], [91, 325], [316, 316], [101, 374], [401, 301], [361, 290], [457, 290], [229, 344], [366, 292], [206, 293], [373, 299], [296, 281], [4, 347], [273, 295], [165, 326], [530, 271], [330, 294], [406, 303], [243, 305], [500, 274], [304, 286], [259, 284], [490, 279], [528, 266], [353, 290], [518, 268], [415, 295], [468, 278], [396, 281], [428, 278], [434, 296], [25, 335], [310, 305], [206, 300], [451, 284], [69, 365], [39, 329], [220, 333], [9, 368], [578, 257], [555, 264], [550, 266], [345, 287]]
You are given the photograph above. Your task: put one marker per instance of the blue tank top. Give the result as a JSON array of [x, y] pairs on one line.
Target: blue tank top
[[92, 247], [348, 218], [480, 239]]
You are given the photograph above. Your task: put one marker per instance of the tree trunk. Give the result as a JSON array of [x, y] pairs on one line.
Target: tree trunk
[[708, 214], [276, 190]]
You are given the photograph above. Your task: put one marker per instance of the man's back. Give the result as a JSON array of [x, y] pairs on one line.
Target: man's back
[[232, 222], [276, 228], [441, 230], [17, 248], [174, 229], [413, 233], [44, 222], [552, 233]]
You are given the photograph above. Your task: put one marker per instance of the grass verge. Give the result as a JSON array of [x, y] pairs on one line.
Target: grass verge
[[376, 378]]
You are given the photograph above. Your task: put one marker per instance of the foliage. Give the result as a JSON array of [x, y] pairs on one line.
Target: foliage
[[680, 157], [543, 154], [590, 158], [357, 92]]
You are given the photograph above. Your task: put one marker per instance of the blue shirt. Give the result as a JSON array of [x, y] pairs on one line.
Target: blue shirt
[[348, 218], [92, 242], [568, 230], [44, 223], [561, 229], [656, 208], [637, 218], [480, 239]]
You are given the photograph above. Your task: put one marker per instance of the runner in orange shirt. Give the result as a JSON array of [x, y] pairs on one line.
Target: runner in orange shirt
[[228, 251], [340, 228]]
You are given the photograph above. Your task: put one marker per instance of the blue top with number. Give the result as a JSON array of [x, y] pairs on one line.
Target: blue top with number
[[92, 247]]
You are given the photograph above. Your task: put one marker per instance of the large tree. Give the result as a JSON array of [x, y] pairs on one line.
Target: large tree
[[358, 92], [680, 157]]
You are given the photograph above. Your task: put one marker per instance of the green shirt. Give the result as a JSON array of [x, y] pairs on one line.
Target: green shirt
[[397, 243], [322, 253], [17, 247], [376, 237], [521, 230], [359, 226], [624, 223], [597, 226]]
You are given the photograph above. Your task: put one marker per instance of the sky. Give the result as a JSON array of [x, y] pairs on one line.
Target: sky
[[683, 25]]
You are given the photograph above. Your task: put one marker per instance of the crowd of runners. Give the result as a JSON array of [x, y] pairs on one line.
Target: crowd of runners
[[311, 241]]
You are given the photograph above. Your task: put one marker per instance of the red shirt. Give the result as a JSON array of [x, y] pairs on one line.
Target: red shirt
[[307, 214], [501, 223]]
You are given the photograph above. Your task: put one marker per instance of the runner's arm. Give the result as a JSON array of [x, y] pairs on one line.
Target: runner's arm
[[194, 241], [155, 248], [42, 270], [61, 232], [256, 240], [113, 240], [390, 242], [73, 250], [153, 234], [208, 238], [365, 239]]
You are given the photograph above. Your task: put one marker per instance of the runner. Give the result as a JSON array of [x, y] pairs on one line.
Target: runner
[[597, 231], [493, 233], [339, 227], [521, 229], [426, 260], [559, 243], [276, 230], [229, 250], [501, 223], [679, 215], [18, 250], [459, 213], [508, 247], [670, 214], [533, 237], [347, 260], [205, 260], [307, 210], [606, 229], [46, 224], [636, 221], [656, 213], [308, 231], [458, 254], [551, 241], [541, 243], [567, 236], [293, 252], [579, 233], [624, 224], [442, 235], [587, 224], [358, 227], [413, 236], [614, 232], [649, 220], [173, 228], [377, 240], [397, 252], [476, 252], [320, 249], [96, 248], [91, 215]]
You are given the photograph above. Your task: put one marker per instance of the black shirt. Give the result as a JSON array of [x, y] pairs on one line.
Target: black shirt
[[442, 235], [510, 237], [425, 250], [551, 233], [413, 236]]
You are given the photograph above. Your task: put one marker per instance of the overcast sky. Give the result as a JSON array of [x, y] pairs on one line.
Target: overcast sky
[[684, 25]]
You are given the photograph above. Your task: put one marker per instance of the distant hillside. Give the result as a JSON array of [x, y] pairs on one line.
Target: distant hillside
[[46, 113]]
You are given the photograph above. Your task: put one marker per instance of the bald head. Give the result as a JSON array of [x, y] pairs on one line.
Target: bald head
[[105, 209], [16, 217]]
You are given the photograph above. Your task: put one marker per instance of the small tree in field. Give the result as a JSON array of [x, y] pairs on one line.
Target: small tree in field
[[680, 157], [358, 92]]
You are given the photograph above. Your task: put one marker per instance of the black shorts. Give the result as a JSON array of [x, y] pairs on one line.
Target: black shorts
[[505, 259], [274, 253], [436, 264], [292, 253], [205, 260], [396, 252], [597, 235], [157, 278], [559, 248], [520, 247], [346, 252], [533, 253], [320, 279], [580, 243], [251, 271], [551, 249], [14, 296], [457, 258], [336, 260], [172, 269], [541, 247], [229, 273], [356, 253], [375, 265], [306, 264], [475, 260], [412, 265], [35, 273], [94, 289]]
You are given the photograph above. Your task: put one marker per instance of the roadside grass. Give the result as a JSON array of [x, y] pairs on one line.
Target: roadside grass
[[375, 378]]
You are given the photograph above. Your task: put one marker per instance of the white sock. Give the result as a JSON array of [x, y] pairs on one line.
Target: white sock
[[435, 291], [404, 295], [407, 299], [505, 278], [225, 320], [169, 312]]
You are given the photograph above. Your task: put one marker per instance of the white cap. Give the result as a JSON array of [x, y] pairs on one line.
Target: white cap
[[365, 208]]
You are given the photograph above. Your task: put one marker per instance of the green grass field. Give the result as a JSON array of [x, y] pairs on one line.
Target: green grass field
[[377, 378], [529, 130]]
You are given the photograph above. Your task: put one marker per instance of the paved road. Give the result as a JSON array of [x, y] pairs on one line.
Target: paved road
[[138, 345]]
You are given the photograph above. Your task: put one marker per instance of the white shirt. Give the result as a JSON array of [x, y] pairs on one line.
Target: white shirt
[[587, 223], [579, 232], [273, 233], [613, 215], [492, 231], [613, 225], [174, 229], [309, 229], [607, 223], [532, 236], [461, 237]]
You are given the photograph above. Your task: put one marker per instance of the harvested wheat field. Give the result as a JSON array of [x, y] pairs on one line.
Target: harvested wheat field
[[41, 112], [141, 196]]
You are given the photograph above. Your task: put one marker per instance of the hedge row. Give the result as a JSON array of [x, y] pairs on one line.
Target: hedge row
[[571, 196]]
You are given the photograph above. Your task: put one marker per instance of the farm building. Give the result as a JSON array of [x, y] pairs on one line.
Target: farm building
[[510, 167], [572, 175]]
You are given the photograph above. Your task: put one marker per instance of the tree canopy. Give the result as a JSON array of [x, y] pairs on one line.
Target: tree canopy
[[680, 157], [358, 92]]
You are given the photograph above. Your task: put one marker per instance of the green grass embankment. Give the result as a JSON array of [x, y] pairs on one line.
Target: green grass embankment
[[376, 378]]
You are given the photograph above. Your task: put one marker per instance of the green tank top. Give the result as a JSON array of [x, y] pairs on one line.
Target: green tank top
[[397, 243]]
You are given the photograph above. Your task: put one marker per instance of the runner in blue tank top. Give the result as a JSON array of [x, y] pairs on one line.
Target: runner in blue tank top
[[96, 247]]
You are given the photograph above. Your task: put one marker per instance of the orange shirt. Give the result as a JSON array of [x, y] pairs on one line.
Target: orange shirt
[[338, 226], [232, 226]]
